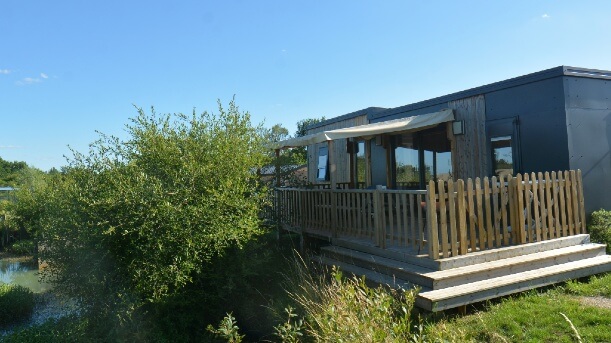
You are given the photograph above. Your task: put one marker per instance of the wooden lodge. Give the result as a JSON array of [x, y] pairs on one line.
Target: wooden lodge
[[469, 196]]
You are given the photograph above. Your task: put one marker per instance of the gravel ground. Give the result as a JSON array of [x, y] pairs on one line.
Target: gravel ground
[[601, 302]]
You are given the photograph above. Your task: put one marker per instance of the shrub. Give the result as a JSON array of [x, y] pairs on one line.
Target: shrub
[[339, 309], [600, 227], [23, 247], [16, 303]]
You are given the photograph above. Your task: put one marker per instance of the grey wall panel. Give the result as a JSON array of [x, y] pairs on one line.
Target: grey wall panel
[[541, 111], [588, 103]]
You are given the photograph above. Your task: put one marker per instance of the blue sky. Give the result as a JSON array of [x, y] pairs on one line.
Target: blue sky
[[69, 68]]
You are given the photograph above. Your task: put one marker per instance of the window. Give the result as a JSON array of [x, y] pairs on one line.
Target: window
[[502, 156], [361, 163], [504, 140], [420, 157], [323, 164]]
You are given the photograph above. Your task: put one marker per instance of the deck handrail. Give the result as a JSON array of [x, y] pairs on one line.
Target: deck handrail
[[449, 218]]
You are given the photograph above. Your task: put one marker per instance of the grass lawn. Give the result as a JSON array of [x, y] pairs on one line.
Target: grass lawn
[[537, 316]]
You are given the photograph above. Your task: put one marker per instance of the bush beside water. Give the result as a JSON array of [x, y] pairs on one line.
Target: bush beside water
[[16, 303]]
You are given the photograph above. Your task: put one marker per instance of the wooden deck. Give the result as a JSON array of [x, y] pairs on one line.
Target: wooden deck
[[464, 280], [460, 242]]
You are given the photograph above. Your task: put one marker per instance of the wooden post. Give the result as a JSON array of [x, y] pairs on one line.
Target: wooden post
[[332, 165], [431, 221], [378, 212]]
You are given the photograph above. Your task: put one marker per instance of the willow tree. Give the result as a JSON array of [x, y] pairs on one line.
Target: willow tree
[[135, 220]]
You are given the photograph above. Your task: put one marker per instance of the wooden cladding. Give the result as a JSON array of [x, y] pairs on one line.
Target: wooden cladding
[[491, 213]]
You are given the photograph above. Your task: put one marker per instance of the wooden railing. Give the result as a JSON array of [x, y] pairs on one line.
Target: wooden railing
[[379, 215], [491, 213], [449, 218]]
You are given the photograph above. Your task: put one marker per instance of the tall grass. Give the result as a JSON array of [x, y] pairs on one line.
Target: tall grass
[[345, 309]]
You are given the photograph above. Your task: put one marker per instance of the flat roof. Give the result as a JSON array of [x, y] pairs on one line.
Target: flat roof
[[380, 112]]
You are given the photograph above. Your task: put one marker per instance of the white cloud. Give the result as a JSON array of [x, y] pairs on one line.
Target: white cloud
[[44, 76], [28, 81], [5, 71], [545, 16]]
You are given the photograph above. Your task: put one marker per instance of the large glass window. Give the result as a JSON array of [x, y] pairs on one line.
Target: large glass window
[[420, 157]]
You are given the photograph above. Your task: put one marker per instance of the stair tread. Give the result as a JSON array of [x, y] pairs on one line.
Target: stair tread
[[511, 261], [484, 285], [384, 261]]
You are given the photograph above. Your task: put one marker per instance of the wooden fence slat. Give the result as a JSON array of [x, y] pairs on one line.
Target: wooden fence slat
[[432, 228], [582, 208], [420, 199], [569, 203], [462, 219], [472, 217], [452, 218], [480, 214], [496, 217], [543, 206], [575, 202], [550, 200], [562, 204], [520, 234], [443, 222], [489, 225], [406, 210], [504, 205], [528, 204], [536, 205], [412, 219]]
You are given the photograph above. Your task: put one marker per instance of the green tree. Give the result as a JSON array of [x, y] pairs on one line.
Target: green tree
[[300, 154], [133, 222], [10, 172]]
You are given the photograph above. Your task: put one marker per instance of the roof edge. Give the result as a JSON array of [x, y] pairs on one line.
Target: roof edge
[[366, 111]]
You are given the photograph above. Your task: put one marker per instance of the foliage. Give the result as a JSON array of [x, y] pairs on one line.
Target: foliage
[[291, 331], [24, 215], [23, 247], [10, 172], [531, 317], [347, 310], [135, 221], [596, 285], [16, 303], [600, 228], [227, 330], [300, 153]]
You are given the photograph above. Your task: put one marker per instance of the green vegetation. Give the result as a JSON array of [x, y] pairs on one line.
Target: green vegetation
[[10, 172], [16, 303], [599, 228], [532, 317]]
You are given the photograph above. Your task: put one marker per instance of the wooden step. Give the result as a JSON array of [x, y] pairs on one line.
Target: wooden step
[[409, 272], [371, 277], [396, 254], [495, 254], [442, 299], [513, 265]]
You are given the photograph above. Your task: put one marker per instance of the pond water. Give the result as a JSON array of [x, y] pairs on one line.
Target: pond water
[[24, 272]]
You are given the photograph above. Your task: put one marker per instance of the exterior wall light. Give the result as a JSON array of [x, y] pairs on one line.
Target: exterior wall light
[[458, 127]]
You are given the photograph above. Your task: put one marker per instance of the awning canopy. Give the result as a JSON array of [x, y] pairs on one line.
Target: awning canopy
[[415, 123]]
